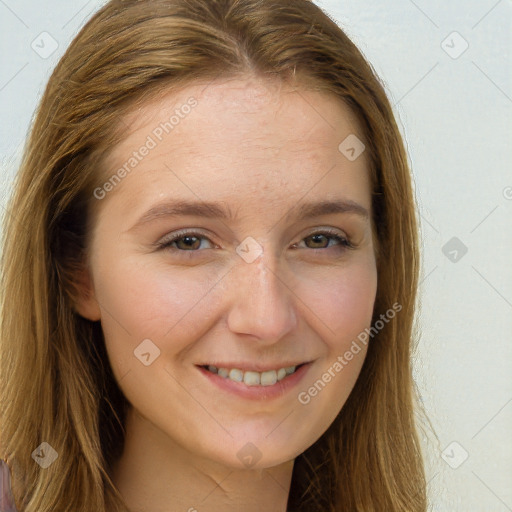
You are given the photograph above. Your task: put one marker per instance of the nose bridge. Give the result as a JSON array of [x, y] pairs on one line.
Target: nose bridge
[[261, 304]]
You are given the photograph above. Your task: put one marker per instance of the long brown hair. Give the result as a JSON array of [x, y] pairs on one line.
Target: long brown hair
[[56, 383]]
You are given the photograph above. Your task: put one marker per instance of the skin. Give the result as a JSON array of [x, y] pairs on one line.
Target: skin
[[260, 148]]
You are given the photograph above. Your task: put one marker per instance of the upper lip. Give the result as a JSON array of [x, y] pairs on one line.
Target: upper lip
[[254, 367]]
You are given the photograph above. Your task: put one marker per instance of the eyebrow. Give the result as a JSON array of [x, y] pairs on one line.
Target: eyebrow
[[217, 211]]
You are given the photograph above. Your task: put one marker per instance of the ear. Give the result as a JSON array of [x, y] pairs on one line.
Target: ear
[[85, 303]]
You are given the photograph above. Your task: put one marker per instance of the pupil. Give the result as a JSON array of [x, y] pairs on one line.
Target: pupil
[[189, 240], [316, 238]]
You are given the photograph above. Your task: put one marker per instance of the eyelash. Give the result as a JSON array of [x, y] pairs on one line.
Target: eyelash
[[344, 242]]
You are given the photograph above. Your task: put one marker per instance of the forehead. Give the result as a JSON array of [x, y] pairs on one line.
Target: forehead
[[244, 135], [245, 109]]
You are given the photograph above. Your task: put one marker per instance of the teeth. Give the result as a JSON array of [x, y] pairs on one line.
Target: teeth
[[223, 372], [268, 378], [281, 373], [251, 378], [236, 375]]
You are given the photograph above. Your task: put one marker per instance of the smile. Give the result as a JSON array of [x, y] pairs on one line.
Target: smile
[[253, 378]]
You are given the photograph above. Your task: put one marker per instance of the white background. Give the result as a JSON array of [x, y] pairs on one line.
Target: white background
[[455, 110]]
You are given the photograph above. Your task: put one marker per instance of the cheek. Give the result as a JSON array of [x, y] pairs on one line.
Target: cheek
[[342, 305], [341, 299], [153, 302]]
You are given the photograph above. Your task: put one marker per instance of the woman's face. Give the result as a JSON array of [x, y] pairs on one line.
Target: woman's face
[[253, 285]]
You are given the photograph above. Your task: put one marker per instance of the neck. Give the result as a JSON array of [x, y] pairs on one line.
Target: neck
[[155, 474]]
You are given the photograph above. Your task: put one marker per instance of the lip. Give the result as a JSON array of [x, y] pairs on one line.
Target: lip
[[279, 389], [252, 367]]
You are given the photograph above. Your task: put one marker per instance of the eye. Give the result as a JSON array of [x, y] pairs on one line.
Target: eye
[[188, 241], [319, 238]]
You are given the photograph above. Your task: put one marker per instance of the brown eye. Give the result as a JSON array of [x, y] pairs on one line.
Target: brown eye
[[184, 242], [190, 242], [318, 241], [322, 240]]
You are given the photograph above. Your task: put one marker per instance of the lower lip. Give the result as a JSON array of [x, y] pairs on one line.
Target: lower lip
[[241, 389]]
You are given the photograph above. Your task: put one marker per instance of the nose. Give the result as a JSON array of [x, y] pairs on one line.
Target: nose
[[261, 302]]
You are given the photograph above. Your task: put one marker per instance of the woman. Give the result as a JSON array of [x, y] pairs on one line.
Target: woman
[[210, 272]]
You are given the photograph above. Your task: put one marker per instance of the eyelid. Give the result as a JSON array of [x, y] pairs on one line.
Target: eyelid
[[329, 230], [334, 233], [181, 233]]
